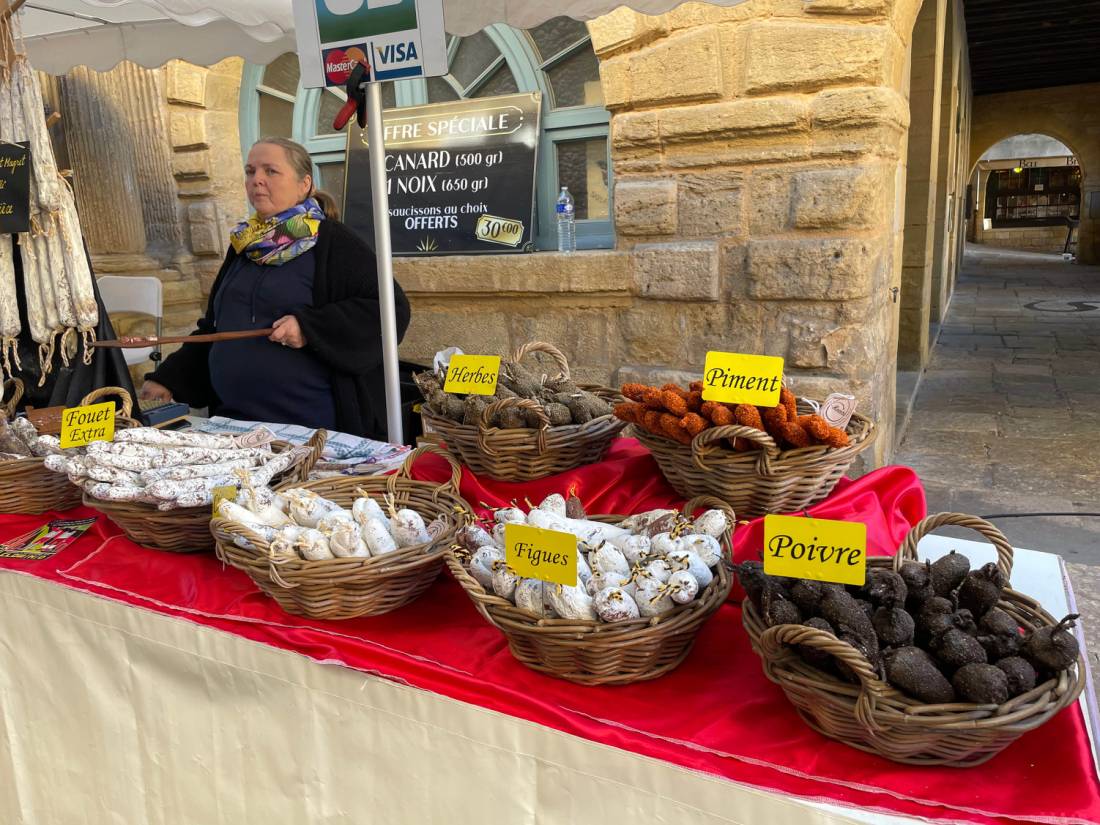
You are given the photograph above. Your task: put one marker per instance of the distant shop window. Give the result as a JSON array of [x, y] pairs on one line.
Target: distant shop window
[[1037, 196], [555, 58]]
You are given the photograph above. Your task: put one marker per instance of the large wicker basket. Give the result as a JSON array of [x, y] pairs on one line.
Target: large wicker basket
[[186, 529], [598, 653], [767, 480], [347, 588], [528, 454], [875, 717], [26, 486]]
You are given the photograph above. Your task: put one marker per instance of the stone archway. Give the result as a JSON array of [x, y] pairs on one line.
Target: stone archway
[[1066, 113]]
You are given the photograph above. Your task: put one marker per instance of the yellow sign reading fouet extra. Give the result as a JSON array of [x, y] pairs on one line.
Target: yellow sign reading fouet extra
[[81, 426], [815, 548], [732, 378], [472, 374], [535, 553]]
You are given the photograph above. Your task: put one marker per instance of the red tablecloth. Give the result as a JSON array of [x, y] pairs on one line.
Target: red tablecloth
[[716, 713]]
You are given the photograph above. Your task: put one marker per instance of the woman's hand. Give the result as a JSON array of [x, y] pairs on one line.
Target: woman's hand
[[155, 391], [288, 333]]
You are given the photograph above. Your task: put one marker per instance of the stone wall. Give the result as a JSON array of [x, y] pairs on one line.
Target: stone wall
[[1026, 238], [758, 155]]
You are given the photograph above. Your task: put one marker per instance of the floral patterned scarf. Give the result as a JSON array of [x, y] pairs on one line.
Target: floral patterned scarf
[[280, 238]]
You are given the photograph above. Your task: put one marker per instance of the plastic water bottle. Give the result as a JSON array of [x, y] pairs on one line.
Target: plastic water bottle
[[567, 228]]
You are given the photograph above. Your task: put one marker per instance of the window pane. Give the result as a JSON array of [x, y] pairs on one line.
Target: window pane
[[276, 117], [332, 180], [576, 80], [582, 166], [556, 34], [501, 83], [440, 91], [282, 73], [474, 55], [331, 104]]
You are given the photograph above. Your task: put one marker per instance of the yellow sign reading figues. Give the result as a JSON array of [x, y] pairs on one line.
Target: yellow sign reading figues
[[472, 374], [732, 378], [815, 548], [535, 553], [81, 426]]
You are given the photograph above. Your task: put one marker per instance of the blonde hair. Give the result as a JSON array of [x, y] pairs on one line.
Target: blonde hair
[[300, 162]]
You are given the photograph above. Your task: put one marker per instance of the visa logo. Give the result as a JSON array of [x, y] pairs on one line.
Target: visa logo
[[396, 53]]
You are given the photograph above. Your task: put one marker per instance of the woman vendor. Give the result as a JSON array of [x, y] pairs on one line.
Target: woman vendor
[[292, 266]]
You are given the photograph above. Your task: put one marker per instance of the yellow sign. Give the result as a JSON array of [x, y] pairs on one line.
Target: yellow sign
[[815, 548], [503, 231], [535, 553], [226, 492], [81, 426], [732, 378], [472, 374]]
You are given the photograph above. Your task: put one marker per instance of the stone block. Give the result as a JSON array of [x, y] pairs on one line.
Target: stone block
[[685, 66], [205, 238], [852, 7], [836, 198], [764, 150], [823, 269], [186, 83], [645, 207], [737, 118], [710, 205], [187, 129], [191, 164], [806, 349], [860, 106], [623, 29], [852, 350], [784, 54], [651, 334], [677, 271], [223, 93], [583, 335], [472, 327], [598, 271], [769, 202], [202, 212], [654, 375], [634, 129]]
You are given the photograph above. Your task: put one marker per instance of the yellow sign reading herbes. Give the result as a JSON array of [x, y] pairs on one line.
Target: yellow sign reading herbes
[[815, 548], [733, 378], [535, 553], [81, 426], [472, 374]]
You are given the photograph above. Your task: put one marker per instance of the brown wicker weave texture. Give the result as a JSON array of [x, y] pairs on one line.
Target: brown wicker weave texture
[[875, 717], [768, 480], [26, 486], [348, 588], [528, 454], [186, 529], [596, 652]]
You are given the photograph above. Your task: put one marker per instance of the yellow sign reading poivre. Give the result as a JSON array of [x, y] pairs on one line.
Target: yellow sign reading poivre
[[472, 374], [815, 548], [733, 378], [535, 553], [81, 426]]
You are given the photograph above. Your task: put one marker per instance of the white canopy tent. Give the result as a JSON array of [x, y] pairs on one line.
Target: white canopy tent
[[62, 34]]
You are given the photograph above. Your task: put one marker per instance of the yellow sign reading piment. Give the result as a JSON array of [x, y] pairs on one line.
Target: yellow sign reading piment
[[81, 426], [472, 374], [535, 553], [733, 378], [227, 492], [815, 548]]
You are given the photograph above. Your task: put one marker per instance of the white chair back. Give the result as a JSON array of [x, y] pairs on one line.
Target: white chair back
[[124, 293]]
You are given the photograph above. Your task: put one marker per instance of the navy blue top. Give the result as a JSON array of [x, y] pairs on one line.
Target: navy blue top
[[255, 379]]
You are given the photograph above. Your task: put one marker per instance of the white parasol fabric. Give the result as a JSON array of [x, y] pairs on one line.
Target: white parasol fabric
[[61, 34]]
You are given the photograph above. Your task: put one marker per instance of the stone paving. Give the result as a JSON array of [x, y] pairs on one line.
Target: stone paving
[[1006, 420]]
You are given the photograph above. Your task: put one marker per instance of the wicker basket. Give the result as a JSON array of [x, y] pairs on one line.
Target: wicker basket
[[528, 454], [875, 717], [26, 486], [598, 653], [348, 588], [768, 480], [186, 529]]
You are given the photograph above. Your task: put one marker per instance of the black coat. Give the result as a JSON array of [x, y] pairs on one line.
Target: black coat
[[342, 328]]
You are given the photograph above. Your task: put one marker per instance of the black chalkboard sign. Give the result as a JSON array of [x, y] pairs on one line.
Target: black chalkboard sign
[[461, 176], [15, 187]]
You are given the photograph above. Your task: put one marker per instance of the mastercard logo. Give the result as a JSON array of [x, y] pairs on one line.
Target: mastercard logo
[[340, 63]]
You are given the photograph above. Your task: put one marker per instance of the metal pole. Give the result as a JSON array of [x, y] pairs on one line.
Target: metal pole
[[382, 249]]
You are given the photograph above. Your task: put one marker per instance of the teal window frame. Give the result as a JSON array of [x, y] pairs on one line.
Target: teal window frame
[[530, 73]]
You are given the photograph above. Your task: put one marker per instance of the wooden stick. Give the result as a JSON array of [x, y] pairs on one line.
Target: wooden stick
[[12, 8], [152, 340]]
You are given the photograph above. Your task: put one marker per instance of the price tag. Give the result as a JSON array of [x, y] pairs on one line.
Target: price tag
[[733, 378], [503, 231], [472, 374], [225, 493], [81, 426], [535, 553], [815, 548]]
